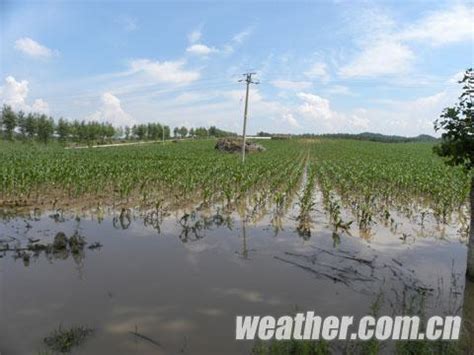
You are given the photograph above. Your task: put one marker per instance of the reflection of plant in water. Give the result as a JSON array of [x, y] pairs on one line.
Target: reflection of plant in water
[[155, 217], [336, 239], [61, 248], [277, 223], [124, 220], [193, 225], [63, 340], [306, 204]]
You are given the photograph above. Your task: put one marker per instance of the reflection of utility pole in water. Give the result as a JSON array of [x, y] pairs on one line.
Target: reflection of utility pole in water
[[245, 252], [467, 339]]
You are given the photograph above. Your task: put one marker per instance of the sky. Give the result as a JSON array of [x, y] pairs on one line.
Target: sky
[[322, 66]]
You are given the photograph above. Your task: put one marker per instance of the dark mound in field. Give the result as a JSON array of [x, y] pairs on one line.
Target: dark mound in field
[[233, 145]]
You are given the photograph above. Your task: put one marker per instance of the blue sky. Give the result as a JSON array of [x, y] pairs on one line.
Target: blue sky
[[323, 66]]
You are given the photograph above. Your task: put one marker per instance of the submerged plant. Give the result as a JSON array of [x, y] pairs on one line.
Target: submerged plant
[[63, 340], [292, 347]]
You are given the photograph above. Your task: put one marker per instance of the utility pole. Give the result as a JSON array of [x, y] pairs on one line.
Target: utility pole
[[163, 133], [248, 81]]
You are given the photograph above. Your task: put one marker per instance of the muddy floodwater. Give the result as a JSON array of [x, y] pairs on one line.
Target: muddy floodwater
[[181, 284]]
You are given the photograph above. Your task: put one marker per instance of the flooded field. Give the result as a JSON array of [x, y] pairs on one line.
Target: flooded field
[[179, 288], [157, 249]]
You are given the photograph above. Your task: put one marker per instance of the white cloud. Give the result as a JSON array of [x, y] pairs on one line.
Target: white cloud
[[32, 48], [39, 105], [291, 120], [241, 36], [339, 90], [315, 106], [237, 39], [456, 78], [409, 117], [320, 117], [380, 58], [443, 26], [291, 85], [359, 123], [201, 49], [129, 24], [191, 97], [387, 49], [14, 93], [194, 36], [165, 72], [318, 71], [111, 111], [370, 23]]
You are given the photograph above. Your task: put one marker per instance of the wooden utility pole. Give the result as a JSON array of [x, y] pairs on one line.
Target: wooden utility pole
[[248, 81]]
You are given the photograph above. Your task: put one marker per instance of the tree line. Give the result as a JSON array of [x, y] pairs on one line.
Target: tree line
[[42, 128]]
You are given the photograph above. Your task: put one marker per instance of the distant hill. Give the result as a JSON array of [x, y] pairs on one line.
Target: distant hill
[[368, 136], [378, 137]]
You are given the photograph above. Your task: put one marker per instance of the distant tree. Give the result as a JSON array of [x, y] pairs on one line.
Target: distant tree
[[108, 131], [183, 131], [127, 132], [159, 131], [119, 133], [458, 145], [167, 130], [216, 132], [140, 131], [45, 128], [201, 132], [155, 131], [21, 123], [212, 131], [63, 129], [31, 125], [9, 121], [264, 134]]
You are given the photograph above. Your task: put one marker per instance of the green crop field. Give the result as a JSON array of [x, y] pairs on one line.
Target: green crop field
[[371, 179]]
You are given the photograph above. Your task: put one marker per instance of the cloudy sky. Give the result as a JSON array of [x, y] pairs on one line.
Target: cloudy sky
[[323, 66]]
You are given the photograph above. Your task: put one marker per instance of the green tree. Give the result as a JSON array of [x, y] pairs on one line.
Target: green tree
[[31, 125], [140, 131], [109, 131], [9, 121], [21, 122], [183, 131], [167, 132], [63, 129], [201, 132], [45, 128], [127, 132], [457, 145]]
